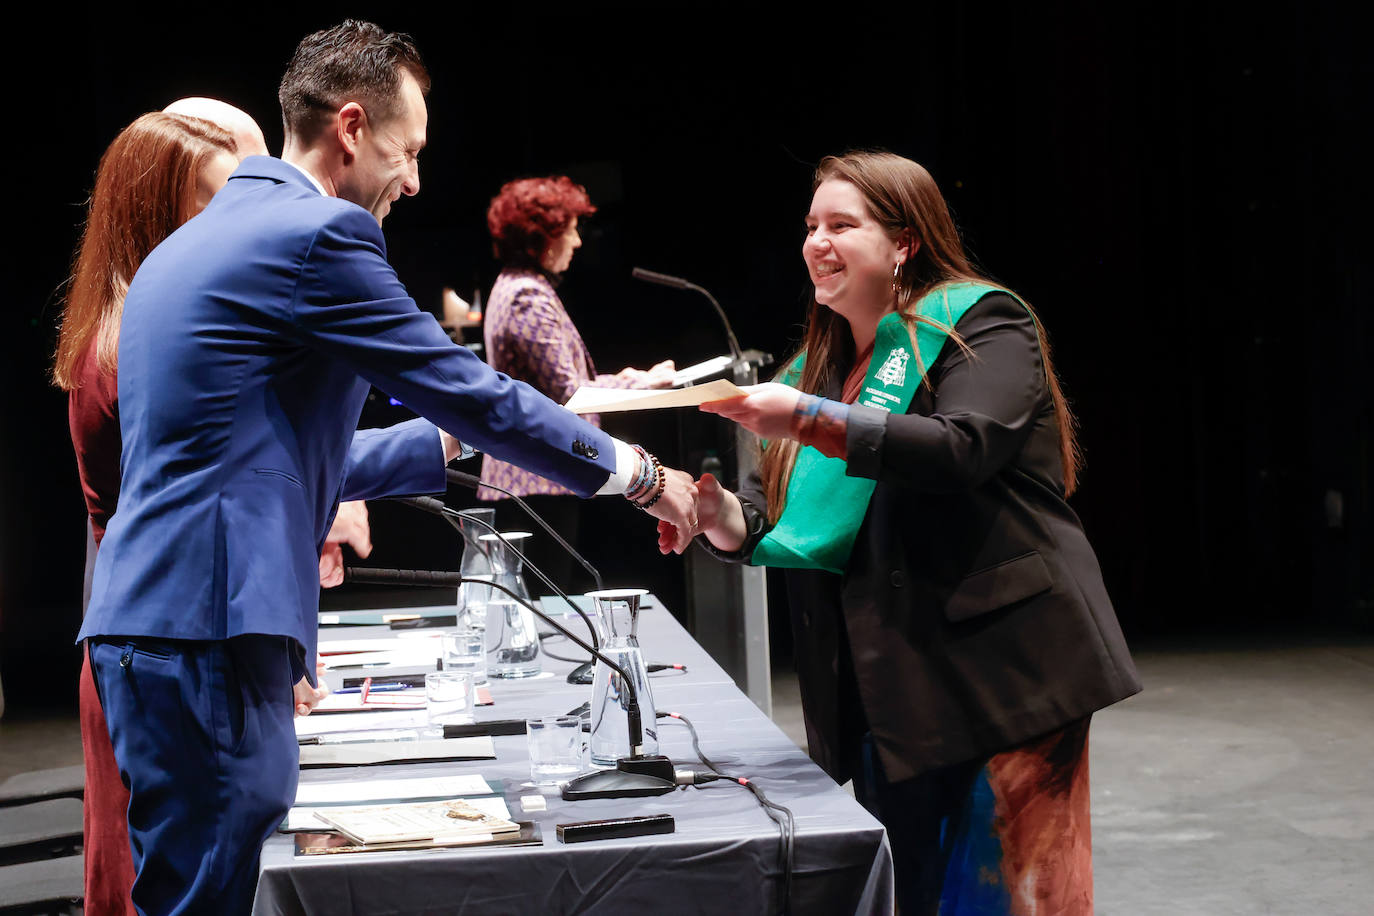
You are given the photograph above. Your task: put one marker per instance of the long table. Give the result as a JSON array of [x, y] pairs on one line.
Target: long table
[[723, 857]]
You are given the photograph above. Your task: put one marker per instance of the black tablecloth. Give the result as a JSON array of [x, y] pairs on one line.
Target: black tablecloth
[[723, 857]]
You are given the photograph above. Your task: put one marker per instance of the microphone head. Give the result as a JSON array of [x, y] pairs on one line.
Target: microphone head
[[650, 276]]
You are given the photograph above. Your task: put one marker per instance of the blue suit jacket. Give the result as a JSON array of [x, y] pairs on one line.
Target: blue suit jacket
[[243, 340]]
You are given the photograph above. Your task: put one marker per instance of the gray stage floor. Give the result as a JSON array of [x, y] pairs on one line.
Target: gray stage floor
[[1241, 782]]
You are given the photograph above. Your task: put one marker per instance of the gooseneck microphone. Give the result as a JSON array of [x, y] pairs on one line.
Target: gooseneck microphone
[[436, 507], [636, 776], [650, 276], [472, 481]]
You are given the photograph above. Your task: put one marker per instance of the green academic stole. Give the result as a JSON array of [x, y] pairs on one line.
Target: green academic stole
[[825, 506]]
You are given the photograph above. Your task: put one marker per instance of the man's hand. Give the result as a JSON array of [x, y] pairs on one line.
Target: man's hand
[[677, 512], [350, 527], [307, 697], [766, 410]]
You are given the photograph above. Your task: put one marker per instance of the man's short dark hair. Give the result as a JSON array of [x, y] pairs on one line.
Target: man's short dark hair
[[352, 62]]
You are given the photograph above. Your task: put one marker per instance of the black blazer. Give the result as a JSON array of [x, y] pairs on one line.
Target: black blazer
[[972, 607]]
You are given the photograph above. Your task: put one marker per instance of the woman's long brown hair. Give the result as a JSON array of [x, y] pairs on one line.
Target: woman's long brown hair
[[145, 188], [903, 197]]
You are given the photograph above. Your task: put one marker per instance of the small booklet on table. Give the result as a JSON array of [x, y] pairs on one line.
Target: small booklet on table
[[451, 821]]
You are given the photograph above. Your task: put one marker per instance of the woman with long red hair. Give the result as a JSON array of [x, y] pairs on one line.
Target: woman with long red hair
[[159, 172], [953, 634]]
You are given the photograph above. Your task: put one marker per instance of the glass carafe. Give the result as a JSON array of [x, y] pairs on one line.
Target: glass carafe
[[617, 621], [476, 564], [512, 637]]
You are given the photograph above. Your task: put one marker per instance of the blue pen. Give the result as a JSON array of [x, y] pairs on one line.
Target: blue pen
[[374, 688]]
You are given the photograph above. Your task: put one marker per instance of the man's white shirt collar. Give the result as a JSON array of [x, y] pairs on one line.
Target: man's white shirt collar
[[313, 180]]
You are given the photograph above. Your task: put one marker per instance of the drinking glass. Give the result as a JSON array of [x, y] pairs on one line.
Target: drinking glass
[[465, 649], [556, 747], [449, 697]]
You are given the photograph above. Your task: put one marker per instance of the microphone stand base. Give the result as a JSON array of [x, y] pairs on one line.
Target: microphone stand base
[[633, 777]]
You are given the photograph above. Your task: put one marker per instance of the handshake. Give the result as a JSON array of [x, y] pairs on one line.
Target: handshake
[[687, 507]]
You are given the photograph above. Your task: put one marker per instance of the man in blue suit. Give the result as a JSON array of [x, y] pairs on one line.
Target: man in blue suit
[[248, 343]]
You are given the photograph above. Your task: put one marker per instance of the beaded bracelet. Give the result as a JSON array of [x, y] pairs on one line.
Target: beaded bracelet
[[644, 480], [662, 487], [645, 475], [658, 483]]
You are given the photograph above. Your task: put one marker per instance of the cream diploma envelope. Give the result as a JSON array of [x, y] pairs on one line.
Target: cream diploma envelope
[[610, 400]]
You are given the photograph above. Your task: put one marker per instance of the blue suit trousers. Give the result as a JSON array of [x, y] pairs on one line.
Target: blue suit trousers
[[203, 733]]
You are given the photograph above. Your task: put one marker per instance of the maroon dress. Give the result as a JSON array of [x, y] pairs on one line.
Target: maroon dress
[[93, 414]]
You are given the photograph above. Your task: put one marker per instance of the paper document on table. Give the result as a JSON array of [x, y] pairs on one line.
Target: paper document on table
[[386, 752], [421, 821], [309, 726], [304, 817], [371, 790], [405, 655], [610, 400]]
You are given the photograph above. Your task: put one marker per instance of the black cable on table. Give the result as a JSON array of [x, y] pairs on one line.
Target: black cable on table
[[779, 814], [650, 669]]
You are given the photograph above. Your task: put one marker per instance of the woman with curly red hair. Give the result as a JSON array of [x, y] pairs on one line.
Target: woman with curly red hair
[[529, 336]]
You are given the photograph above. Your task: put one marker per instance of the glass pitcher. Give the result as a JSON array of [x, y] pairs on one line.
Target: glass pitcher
[[617, 621], [476, 564], [512, 638]]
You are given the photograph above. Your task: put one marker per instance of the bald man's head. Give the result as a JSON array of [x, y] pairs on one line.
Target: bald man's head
[[247, 135]]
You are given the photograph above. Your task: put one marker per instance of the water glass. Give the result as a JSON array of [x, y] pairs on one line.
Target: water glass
[[465, 649], [449, 698], [556, 748]]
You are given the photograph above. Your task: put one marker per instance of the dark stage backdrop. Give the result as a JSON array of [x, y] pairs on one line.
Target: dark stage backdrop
[[1175, 190]]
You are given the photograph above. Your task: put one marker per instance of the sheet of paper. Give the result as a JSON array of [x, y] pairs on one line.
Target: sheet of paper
[[384, 752], [610, 400], [307, 726], [303, 817], [403, 655], [416, 821], [700, 370], [404, 641], [357, 791]]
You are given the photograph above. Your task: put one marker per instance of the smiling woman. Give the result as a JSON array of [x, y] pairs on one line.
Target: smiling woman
[[953, 635]]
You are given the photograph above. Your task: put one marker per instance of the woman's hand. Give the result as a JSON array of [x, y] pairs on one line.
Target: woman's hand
[[766, 410], [719, 517], [676, 511], [661, 375]]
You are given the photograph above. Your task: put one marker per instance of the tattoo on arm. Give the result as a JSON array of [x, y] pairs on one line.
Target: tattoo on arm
[[822, 424]]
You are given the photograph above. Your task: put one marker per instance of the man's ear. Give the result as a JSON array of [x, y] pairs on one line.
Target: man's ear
[[350, 123]]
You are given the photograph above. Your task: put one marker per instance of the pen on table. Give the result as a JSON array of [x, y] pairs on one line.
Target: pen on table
[[375, 688]]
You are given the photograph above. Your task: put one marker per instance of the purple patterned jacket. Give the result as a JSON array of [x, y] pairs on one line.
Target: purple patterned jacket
[[530, 337]]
